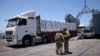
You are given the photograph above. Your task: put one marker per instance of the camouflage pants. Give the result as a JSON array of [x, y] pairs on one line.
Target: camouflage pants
[[59, 45], [66, 44]]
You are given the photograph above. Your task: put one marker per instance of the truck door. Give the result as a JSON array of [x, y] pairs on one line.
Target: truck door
[[22, 28]]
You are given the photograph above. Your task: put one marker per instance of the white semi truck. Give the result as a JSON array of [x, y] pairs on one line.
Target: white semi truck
[[28, 29]]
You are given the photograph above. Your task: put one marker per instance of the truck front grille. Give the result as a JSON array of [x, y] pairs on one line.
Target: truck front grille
[[9, 33], [9, 38]]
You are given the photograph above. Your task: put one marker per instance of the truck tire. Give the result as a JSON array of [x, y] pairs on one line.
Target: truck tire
[[52, 39], [26, 42], [44, 40]]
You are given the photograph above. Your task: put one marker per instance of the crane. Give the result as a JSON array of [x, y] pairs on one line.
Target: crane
[[70, 18], [84, 10]]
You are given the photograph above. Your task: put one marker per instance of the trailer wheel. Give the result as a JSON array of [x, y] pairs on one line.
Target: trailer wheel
[[51, 39], [26, 42], [44, 40]]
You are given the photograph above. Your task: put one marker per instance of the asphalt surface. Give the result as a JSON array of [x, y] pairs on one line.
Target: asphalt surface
[[85, 47]]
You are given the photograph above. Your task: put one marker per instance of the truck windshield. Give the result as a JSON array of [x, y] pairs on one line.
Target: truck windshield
[[12, 22]]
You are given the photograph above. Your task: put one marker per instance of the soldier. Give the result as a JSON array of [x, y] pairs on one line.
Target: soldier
[[66, 40], [59, 42]]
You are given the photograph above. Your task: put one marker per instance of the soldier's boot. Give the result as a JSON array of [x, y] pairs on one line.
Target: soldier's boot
[[60, 49], [57, 51]]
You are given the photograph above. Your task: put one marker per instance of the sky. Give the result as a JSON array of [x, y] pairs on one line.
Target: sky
[[54, 10]]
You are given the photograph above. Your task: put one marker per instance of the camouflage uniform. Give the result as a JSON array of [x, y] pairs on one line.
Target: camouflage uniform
[[59, 42], [66, 42]]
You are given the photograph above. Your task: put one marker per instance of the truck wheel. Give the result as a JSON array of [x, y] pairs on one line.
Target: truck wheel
[[51, 40], [26, 42], [44, 40]]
